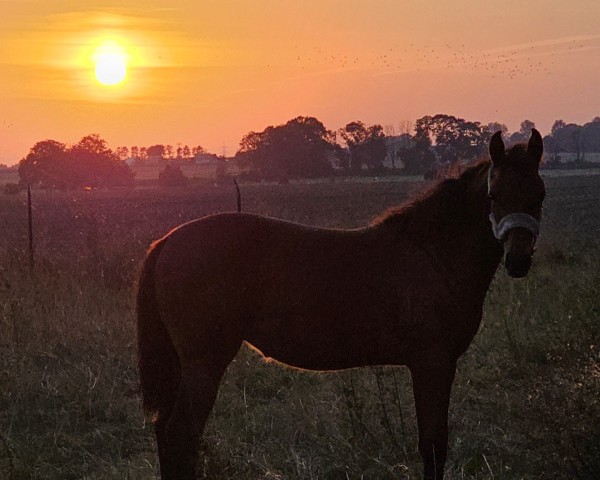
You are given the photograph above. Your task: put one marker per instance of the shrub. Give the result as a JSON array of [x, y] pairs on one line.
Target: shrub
[[172, 176]]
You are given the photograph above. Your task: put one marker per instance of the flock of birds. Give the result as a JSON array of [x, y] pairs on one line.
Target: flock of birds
[[510, 63]]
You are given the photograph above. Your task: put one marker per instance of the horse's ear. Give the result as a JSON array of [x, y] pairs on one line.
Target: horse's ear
[[497, 148], [535, 147]]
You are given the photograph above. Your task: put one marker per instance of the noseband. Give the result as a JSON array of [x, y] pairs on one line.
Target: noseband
[[512, 220]]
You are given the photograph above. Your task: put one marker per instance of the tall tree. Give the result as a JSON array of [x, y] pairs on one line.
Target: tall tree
[[591, 135], [452, 138], [366, 145], [302, 147], [45, 164], [524, 132], [569, 138]]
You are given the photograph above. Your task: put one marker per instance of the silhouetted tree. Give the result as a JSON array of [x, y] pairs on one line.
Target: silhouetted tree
[[494, 127], [197, 149], [302, 147], [122, 153], [569, 138], [557, 125], [366, 145], [591, 135], [172, 176], [523, 134], [418, 156], [452, 138], [46, 164], [156, 151]]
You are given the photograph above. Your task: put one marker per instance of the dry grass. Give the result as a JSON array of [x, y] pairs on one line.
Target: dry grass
[[525, 402]]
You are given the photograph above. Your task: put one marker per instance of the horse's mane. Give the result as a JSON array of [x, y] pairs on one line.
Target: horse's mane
[[448, 199]]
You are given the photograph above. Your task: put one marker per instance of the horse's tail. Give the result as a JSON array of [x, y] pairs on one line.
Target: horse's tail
[[158, 363]]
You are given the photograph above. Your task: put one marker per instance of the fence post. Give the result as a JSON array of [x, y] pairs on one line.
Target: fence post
[[30, 228], [238, 195]]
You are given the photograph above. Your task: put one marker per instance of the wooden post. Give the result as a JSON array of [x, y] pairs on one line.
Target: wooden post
[[238, 195], [30, 225]]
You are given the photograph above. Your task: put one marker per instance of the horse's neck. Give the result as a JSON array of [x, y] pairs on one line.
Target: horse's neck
[[471, 251], [458, 236]]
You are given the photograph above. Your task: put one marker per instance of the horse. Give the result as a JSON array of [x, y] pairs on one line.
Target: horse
[[406, 290]]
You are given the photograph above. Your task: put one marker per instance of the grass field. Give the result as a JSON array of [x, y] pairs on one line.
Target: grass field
[[525, 404]]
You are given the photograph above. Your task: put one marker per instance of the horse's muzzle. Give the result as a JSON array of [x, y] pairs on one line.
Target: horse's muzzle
[[519, 247], [517, 264]]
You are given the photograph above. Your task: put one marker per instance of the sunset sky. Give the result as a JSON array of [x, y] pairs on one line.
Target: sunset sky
[[206, 72]]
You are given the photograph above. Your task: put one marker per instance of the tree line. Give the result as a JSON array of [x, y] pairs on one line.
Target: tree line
[[303, 148], [90, 162]]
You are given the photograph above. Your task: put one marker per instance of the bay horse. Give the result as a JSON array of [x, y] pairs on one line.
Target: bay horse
[[407, 290]]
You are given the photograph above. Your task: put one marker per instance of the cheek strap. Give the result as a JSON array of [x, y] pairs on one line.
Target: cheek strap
[[514, 220]]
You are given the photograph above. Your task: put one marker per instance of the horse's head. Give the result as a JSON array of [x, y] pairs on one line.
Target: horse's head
[[516, 193]]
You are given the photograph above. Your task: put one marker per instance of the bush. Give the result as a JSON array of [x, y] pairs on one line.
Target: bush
[[172, 176]]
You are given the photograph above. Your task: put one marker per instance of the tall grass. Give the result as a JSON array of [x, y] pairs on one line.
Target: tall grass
[[525, 403]]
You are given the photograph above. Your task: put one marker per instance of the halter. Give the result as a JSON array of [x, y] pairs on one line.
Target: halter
[[512, 220]]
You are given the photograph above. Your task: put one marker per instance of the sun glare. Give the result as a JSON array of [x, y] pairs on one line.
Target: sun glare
[[110, 60]]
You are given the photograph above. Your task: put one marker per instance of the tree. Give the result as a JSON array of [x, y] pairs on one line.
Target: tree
[[591, 135], [522, 136], [573, 138], [46, 164], [302, 147], [494, 127], [94, 164], [557, 125], [417, 155], [569, 138], [366, 145], [405, 127], [156, 151], [197, 150], [452, 138], [122, 153], [172, 176]]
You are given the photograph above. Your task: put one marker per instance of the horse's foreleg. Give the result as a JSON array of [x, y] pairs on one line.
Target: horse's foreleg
[[179, 438], [432, 383]]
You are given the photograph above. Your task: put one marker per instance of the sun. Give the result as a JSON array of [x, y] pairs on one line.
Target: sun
[[110, 60]]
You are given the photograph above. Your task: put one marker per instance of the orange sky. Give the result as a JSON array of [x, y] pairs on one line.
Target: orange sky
[[207, 72]]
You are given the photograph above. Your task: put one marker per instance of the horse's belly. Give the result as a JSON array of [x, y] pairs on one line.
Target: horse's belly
[[326, 345]]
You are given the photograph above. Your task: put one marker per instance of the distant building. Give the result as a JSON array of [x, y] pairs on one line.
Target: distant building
[[207, 159]]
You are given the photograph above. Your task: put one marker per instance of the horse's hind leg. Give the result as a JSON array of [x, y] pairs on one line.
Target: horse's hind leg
[[432, 382], [178, 437]]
